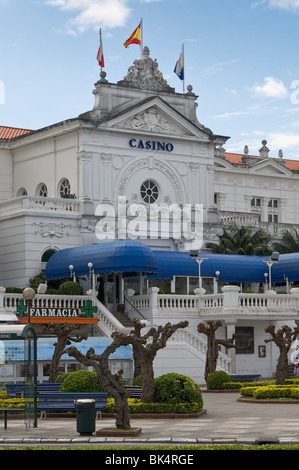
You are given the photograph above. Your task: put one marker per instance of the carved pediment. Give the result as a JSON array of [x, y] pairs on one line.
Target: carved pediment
[[151, 120]]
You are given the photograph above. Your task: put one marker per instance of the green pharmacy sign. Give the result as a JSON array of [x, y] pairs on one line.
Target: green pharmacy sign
[[88, 310]]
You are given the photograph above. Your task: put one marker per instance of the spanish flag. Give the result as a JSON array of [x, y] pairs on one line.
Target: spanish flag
[[100, 55], [135, 37]]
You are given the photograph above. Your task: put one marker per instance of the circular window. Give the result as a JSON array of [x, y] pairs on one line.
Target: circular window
[[149, 192]]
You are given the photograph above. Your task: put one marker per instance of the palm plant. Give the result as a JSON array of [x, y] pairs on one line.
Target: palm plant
[[289, 243], [243, 241]]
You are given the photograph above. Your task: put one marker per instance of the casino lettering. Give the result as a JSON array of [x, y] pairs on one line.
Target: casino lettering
[[151, 145]]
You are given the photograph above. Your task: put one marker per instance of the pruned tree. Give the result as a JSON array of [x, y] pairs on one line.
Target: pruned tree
[[146, 346], [209, 330], [108, 381], [64, 338], [283, 338], [145, 350]]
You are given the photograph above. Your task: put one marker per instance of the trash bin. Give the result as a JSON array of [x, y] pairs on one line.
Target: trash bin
[[86, 417]]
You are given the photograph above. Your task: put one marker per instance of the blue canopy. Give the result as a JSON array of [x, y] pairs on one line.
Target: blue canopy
[[131, 258], [115, 257], [232, 268]]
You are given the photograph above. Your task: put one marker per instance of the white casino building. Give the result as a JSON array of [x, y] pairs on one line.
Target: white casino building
[[142, 141]]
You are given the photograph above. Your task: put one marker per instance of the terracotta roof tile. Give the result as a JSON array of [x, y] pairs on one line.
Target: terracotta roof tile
[[12, 132], [236, 159]]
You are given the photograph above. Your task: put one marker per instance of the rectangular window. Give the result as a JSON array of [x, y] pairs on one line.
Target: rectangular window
[[255, 202], [244, 334]]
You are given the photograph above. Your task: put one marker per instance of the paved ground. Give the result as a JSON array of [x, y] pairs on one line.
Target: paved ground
[[226, 421]]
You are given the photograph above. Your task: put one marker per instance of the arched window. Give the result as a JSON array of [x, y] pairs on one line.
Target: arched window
[[45, 257], [64, 188], [43, 190], [22, 192]]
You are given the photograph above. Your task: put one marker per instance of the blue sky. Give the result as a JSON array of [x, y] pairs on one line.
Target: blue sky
[[241, 57]]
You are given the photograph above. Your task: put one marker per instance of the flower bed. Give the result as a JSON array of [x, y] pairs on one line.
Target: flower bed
[[289, 391]]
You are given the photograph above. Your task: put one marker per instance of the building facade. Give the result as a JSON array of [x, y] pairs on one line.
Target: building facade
[[142, 144]]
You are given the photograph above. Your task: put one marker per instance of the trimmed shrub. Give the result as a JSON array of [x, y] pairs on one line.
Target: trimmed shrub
[[81, 381], [177, 388], [62, 377], [70, 288], [137, 381], [272, 392], [217, 380], [136, 406]]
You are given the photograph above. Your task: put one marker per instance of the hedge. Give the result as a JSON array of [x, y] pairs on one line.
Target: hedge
[[136, 406], [271, 391]]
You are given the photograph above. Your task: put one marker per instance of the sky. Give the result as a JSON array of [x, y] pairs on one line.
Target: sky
[[241, 58]]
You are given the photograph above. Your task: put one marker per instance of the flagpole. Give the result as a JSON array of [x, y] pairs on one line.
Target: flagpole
[[184, 68], [141, 35], [101, 44]]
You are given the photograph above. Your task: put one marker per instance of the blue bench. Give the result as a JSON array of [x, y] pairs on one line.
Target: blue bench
[[66, 401], [17, 390], [245, 378], [135, 392]]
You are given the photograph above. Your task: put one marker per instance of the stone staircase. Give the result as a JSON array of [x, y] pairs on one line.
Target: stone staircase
[[121, 316]]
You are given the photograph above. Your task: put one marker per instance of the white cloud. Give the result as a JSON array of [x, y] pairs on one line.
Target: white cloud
[[93, 13], [288, 5], [284, 140], [219, 66], [272, 88]]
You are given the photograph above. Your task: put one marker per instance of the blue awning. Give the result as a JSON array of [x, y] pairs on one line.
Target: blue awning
[[116, 257], [232, 268], [131, 258], [14, 349]]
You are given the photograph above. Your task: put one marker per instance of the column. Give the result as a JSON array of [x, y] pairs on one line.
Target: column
[[85, 175], [230, 331]]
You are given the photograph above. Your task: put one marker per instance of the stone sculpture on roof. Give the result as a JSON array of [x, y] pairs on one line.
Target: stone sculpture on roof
[[144, 74]]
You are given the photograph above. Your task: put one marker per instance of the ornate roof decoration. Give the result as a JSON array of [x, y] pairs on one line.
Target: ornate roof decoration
[[144, 74]]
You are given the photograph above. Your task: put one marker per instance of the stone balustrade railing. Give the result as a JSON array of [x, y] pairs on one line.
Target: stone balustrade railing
[[40, 204]]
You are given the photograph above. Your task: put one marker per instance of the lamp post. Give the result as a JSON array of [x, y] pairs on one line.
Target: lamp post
[[72, 270], [269, 263], [91, 273], [194, 255], [217, 274], [28, 295]]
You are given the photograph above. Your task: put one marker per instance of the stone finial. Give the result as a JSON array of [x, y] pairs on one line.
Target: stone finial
[[246, 150], [264, 151], [280, 154]]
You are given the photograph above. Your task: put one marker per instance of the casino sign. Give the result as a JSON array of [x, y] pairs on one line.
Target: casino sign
[[82, 316]]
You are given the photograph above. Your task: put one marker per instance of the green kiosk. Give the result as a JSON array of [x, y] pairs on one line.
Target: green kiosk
[[29, 390]]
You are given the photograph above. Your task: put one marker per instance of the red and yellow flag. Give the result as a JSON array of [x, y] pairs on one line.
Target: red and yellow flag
[[135, 37]]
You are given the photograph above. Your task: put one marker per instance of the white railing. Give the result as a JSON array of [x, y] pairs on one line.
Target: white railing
[[178, 303], [40, 204], [199, 343], [12, 301], [268, 303], [107, 321]]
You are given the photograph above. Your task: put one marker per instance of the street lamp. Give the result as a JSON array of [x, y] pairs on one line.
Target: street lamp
[[269, 263], [72, 270], [217, 274], [91, 273], [194, 255], [28, 295]]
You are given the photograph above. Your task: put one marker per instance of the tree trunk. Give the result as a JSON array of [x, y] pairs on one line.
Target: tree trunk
[[54, 367], [137, 362], [282, 367], [212, 355], [148, 384]]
